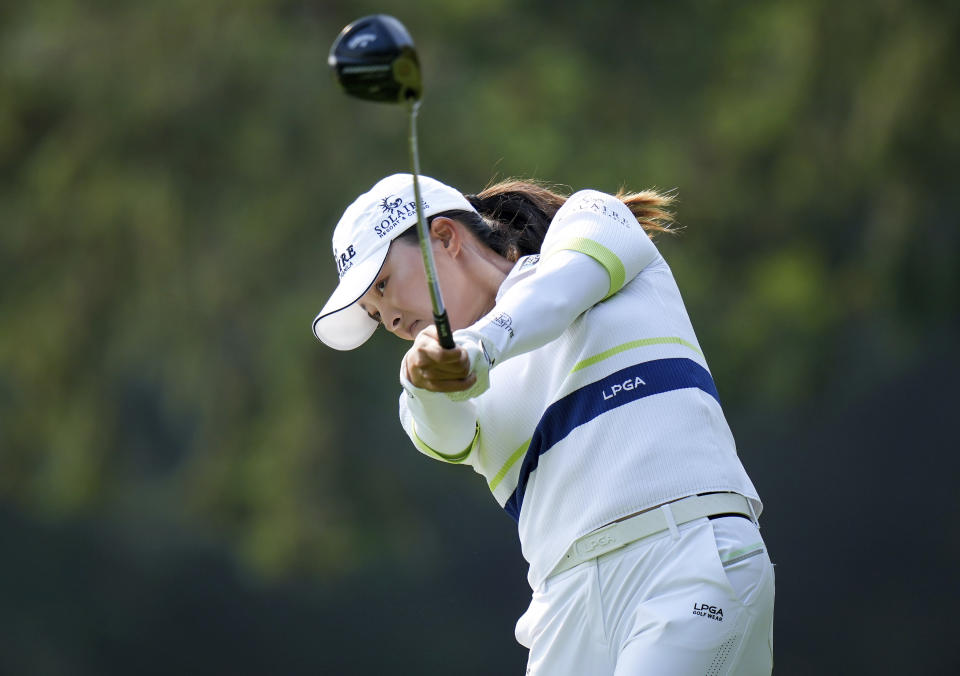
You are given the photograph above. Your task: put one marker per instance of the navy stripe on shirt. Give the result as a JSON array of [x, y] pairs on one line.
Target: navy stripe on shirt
[[583, 405]]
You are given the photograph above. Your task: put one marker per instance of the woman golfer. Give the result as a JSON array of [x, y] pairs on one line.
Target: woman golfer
[[579, 391]]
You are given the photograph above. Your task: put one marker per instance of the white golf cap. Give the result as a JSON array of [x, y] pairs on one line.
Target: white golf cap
[[360, 243]]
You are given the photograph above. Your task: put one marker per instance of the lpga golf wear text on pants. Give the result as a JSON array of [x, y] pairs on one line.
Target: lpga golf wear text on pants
[[695, 601]]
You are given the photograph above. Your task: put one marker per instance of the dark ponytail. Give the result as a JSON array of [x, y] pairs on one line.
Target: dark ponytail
[[514, 215]]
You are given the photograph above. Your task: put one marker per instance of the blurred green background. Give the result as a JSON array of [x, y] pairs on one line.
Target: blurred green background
[[191, 483]]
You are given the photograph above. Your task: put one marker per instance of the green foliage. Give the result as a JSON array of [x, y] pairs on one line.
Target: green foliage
[[170, 173]]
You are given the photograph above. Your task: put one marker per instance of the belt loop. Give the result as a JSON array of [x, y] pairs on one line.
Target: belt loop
[[753, 513], [671, 522]]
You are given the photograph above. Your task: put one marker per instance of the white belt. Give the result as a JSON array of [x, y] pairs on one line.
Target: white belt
[[621, 533]]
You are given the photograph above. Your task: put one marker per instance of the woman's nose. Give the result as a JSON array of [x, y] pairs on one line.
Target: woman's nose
[[392, 321]]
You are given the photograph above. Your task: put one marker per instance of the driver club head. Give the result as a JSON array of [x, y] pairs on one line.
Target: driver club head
[[374, 59]]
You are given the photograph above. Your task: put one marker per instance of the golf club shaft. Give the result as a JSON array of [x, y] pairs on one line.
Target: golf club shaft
[[430, 267]]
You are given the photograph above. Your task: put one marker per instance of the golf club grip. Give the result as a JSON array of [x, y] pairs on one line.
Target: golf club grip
[[443, 331]]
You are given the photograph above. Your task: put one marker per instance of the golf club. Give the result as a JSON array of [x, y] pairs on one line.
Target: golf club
[[374, 59]]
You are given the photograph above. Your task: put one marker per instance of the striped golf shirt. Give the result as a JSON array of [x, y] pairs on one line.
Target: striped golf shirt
[[616, 414]]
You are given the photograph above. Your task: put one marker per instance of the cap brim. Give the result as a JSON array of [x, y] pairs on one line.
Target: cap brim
[[342, 324]]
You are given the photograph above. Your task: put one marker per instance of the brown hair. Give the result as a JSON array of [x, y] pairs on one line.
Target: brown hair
[[514, 215]]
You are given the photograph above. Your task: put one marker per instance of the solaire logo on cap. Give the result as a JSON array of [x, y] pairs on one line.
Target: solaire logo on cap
[[344, 260], [395, 212], [390, 203]]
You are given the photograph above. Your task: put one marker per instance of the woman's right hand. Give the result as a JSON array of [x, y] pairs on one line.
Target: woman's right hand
[[431, 367]]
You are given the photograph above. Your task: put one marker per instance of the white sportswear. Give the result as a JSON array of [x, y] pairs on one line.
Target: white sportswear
[[600, 402]]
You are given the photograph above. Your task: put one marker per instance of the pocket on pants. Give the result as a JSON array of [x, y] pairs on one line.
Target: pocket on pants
[[743, 559]]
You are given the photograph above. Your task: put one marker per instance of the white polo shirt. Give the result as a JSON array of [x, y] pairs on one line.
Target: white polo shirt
[[616, 413]]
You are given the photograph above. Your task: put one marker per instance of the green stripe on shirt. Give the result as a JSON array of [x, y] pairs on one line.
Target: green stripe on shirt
[[644, 342], [599, 253], [457, 458], [511, 461]]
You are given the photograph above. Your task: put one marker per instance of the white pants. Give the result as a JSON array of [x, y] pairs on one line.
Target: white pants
[[697, 602]]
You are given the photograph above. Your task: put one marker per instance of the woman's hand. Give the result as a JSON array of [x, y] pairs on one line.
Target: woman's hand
[[430, 367]]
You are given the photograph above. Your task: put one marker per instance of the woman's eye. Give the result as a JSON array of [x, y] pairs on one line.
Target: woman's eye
[[381, 285]]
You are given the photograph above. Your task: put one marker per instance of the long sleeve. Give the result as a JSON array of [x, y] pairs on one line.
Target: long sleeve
[[539, 307], [594, 246], [440, 428]]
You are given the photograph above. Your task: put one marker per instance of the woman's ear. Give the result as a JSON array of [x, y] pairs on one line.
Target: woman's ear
[[447, 232]]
